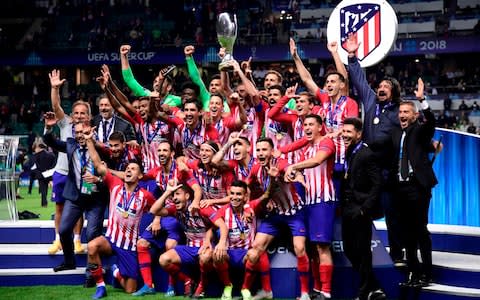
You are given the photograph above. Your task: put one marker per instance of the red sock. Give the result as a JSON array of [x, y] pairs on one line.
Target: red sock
[[174, 271], [145, 262], [326, 277], [302, 268], [317, 285], [171, 281], [222, 270], [249, 275], [97, 274], [264, 268]]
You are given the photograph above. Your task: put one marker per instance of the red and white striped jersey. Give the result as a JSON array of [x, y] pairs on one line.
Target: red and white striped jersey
[[240, 232], [253, 128], [319, 179], [213, 186], [286, 201], [279, 133], [195, 225], [192, 140], [334, 116], [162, 178], [239, 171], [126, 211]]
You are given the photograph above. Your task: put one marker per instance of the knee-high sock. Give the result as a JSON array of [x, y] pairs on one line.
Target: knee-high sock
[[222, 270], [97, 274], [326, 277], [315, 266], [263, 266], [302, 267], [249, 275], [145, 263], [174, 271]]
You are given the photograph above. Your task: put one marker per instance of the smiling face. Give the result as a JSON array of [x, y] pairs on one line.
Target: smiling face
[[80, 113], [384, 90], [79, 137], [133, 173], [192, 114], [238, 196], [334, 85], [303, 105], [144, 108], [407, 114], [136, 105], [215, 106], [116, 148], [312, 129], [214, 86], [206, 153], [188, 94], [264, 153], [105, 108], [240, 149], [273, 96], [180, 198], [164, 153], [350, 135], [271, 80]]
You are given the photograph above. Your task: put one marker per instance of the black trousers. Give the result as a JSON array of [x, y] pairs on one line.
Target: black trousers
[[43, 189], [413, 202], [357, 241]]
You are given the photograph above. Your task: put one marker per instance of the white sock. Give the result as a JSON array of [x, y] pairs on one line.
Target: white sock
[[76, 237], [57, 236], [101, 283]]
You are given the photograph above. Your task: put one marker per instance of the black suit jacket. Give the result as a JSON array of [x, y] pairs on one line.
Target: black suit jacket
[[361, 187], [418, 146], [120, 125]]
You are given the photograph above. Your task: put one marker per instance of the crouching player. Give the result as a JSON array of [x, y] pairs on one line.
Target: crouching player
[[239, 216], [127, 205], [197, 225]]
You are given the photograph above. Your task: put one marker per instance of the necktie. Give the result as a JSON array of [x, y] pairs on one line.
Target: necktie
[[105, 133], [403, 157]]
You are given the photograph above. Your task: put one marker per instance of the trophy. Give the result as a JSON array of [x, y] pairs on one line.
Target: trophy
[[226, 33]]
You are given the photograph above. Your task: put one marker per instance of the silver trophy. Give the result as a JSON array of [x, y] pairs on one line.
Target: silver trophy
[[227, 34]]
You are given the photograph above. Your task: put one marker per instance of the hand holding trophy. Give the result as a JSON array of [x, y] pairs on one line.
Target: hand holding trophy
[[227, 34]]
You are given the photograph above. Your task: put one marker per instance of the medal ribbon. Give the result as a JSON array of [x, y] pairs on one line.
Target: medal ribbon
[[377, 108], [332, 114], [126, 203], [165, 179], [151, 136], [243, 171], [240, 224], [187, 138]]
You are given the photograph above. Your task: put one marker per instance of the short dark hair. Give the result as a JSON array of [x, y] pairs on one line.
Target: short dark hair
[[165, 141], [138, 162], [215, 76], [277, 87], [194, 101], [267, 140], [356, 122], [340, 76], [240, 183], [192, 86], [316, 117], [117, 136], [245, 139]]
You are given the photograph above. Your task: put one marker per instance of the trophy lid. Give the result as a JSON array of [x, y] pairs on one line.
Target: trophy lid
[[227, 24]]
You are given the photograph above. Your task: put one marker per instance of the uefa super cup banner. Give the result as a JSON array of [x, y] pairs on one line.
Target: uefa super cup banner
[[372, 23]]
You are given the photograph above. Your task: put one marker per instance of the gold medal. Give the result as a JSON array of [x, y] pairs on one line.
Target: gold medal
[[125, 214], [376, 120], [242, 236]]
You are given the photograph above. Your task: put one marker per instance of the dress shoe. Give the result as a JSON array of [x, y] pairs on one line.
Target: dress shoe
[[64, 267]]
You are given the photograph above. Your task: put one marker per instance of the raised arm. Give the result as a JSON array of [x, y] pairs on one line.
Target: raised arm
[[50, 140], [249, 86], [97, 162], [117, 97], [56, 83], [127, 74], [302, 71], [333, 48], [194, 74], [158, 208]]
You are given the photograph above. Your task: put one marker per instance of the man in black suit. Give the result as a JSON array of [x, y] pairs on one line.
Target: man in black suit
[[413, 179], [360, 203], [107, 122], [80, 191], [43, 160]]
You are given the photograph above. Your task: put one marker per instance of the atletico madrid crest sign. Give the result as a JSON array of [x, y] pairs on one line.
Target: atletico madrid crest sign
[[373, 23]]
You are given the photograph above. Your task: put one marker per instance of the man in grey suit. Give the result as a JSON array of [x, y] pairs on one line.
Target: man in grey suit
[[108, 122]]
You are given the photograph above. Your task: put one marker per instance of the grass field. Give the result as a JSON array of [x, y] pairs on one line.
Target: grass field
[[33, 203]]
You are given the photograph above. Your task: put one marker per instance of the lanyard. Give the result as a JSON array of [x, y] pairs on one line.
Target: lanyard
[[243, 171], [265, 179], [377, 108], [151, 136], [332, 113], [165, 179], [239, 222], [126, 203], [349, 161]]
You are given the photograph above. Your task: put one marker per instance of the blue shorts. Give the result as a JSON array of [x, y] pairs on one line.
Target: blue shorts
[[188, 255], [170, 229], [273, 223], [321, 217], [58, 183], [127, 261], [236, 257]]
